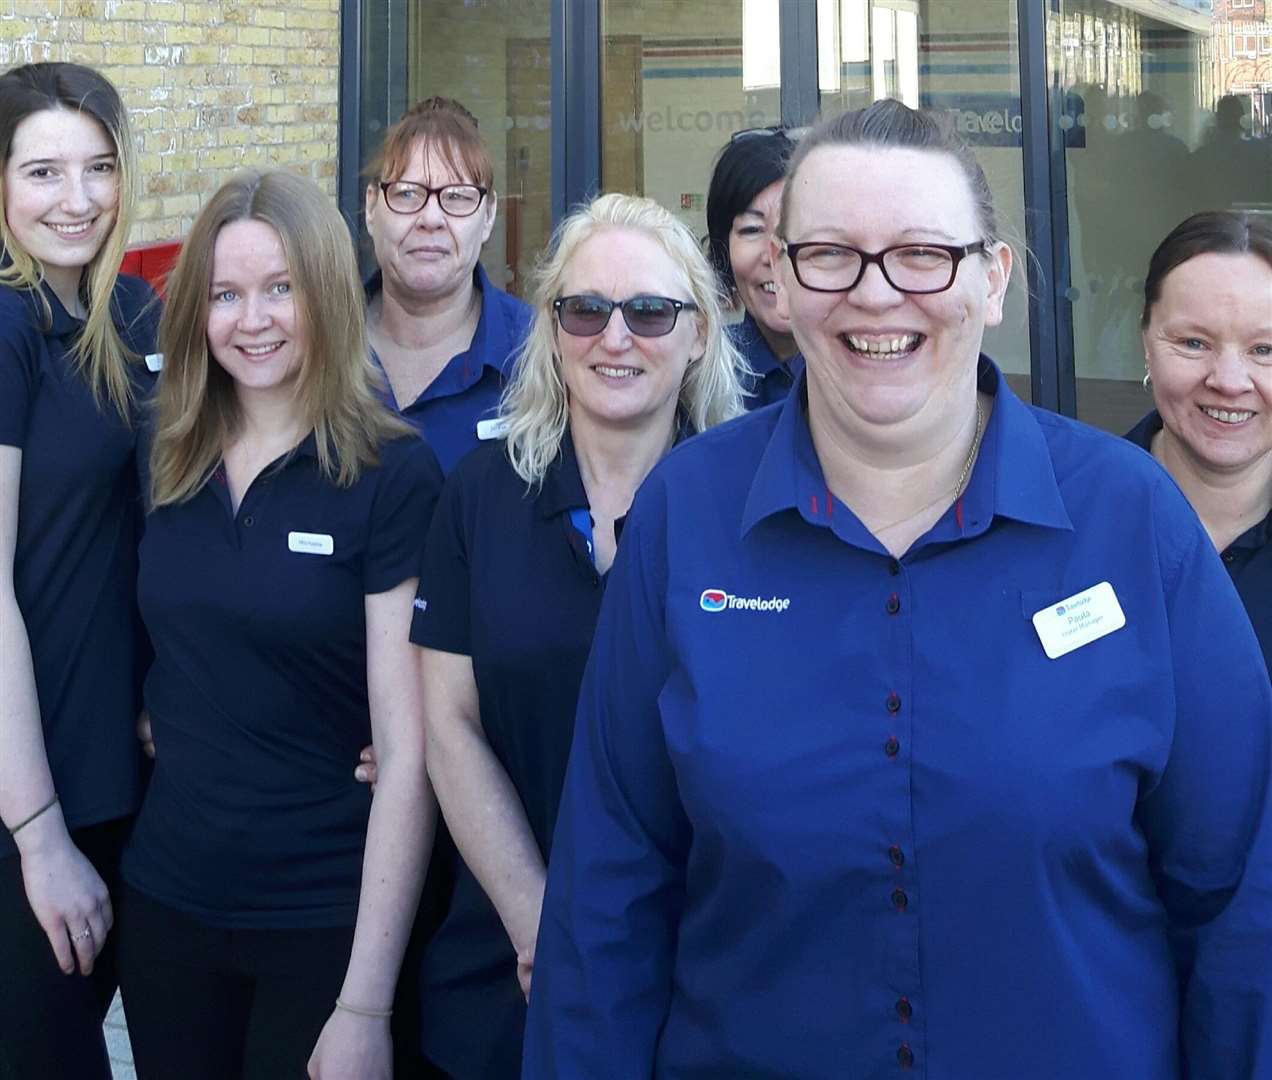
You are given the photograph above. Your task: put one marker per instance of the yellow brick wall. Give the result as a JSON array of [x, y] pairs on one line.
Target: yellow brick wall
[[211, 86]]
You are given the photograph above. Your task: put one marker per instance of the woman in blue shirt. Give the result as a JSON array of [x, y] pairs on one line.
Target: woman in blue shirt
[[626, 355], [922, 729], [443, 333], [268, 899], [73, 333], [742, 208], [1208, 364]]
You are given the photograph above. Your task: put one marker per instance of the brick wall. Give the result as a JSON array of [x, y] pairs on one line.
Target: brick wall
[[211, 87]]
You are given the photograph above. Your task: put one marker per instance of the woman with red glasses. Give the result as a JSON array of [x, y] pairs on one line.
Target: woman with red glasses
[[625, 358]]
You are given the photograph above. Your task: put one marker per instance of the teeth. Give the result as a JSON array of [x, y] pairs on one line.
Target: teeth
[[1224, 416], [884, 346], [70, 230], [261, 350], [616, 372], [769, 287]]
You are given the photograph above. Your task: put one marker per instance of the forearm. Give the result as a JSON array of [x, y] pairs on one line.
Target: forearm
[[488, 822], [399, 841]]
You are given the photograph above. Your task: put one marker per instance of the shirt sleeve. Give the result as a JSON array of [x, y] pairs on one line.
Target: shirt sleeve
[[19, 359], [441, 616], [605, 952], [1208, 822], [409, 484]]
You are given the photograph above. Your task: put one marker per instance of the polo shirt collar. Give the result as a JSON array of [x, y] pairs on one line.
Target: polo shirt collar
[[1013, 475], [755, 348], [65, 325]]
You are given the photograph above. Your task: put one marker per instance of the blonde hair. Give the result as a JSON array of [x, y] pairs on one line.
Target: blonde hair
[[99, 354], [196, 406], [535, 404]]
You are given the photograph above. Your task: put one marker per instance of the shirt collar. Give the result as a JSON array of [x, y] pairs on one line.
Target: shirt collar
[[1013, 475], [64, 324], [755, 348], [1142, 433]]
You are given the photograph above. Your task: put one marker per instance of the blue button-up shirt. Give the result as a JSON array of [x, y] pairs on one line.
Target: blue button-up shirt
[[467, 389], [773, 378], [832, 814]]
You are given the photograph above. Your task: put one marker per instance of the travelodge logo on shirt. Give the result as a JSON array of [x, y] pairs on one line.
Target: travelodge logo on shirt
[[719, 600]]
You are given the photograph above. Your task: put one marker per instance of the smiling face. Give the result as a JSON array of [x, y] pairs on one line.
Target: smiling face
[[254, 329], [876, 356], [61, 192], [751, 259], [616, 378], [429, 254], [1208, 345]]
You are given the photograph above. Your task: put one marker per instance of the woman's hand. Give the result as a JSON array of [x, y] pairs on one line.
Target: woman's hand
[[70, 902], [366, 771], [145, 735], [353, 1047]]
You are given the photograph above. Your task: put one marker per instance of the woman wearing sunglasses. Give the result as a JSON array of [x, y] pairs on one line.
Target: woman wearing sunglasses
[[923, 732], [742, 208], [442, 332], [626, 356]]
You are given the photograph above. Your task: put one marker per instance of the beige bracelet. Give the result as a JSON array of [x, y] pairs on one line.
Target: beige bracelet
[[379, 1014], [23, 824]]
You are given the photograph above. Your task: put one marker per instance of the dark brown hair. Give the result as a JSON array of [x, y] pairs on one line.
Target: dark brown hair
[[1213, 232], [891, 124], [448, 130]]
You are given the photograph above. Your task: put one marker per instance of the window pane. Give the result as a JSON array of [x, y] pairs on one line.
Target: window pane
[[677, 80], [1166, 113], [494, 57], [960, 57]]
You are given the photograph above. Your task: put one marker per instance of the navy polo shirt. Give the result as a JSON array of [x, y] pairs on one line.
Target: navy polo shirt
[[507, 581], [467, 389], [773, 378], [833, 814], [258, 691], [1248, 558], [75, 563]]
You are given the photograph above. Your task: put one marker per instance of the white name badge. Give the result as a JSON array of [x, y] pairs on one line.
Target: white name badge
[[1078, 620], [491, 429], [154, 361], [310, 543]]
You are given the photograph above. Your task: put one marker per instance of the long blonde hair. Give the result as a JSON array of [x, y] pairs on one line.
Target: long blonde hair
[[197, 410], [535, 405], [99, 353]]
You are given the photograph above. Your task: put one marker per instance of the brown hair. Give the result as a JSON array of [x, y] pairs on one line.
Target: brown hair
[[1213, 232], [891, 124], [99, 354], [196, 406], [447, 129]]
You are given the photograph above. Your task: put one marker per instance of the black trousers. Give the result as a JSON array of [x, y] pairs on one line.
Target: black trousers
[[207, 1003], [51, 1023]]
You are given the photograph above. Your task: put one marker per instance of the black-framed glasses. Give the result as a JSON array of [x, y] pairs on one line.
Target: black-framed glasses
[[646, 316], [909, 268], [457, 200]]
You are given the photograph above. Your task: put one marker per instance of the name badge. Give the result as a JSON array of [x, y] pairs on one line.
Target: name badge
[[1078, 620], [310, 543], [154, 362], [491, 429]]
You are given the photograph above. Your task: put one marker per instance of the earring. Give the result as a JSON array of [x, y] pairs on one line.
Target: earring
[[1148, 382]]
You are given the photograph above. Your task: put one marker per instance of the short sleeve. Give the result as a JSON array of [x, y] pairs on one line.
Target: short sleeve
[[20, 348], [441, 616], [409, 483]]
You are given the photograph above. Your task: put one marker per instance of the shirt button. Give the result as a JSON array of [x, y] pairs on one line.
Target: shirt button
[[896, 855], [1229, 556], [893, 605], [904, 1009], [249, 521], [905, 1056], [892, 747], [894, 567], [899, 899], [893, 703]]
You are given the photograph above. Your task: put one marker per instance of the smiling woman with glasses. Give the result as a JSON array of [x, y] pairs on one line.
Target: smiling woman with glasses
[[441, 331], [899, 728], [626, 357]]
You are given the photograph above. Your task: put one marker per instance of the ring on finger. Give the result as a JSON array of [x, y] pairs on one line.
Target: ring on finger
[[84, 934]]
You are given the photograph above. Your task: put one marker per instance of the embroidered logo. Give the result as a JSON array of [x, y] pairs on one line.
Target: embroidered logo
[[419, 604], [719, 600]]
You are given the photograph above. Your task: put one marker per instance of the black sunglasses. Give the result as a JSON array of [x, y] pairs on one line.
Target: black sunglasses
[[646, 316]]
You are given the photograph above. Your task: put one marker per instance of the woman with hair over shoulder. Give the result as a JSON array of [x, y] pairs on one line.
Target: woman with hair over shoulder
[[268, 898], [626, 357], [1207, 328], [442, 332], [922, 730], [73, 334]]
